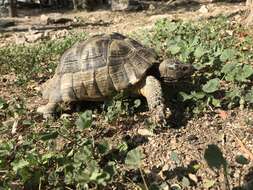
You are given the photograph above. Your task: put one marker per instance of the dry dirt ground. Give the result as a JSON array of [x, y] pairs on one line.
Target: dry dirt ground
[[228, 133]]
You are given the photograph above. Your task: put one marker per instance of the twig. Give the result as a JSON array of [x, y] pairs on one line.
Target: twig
[[52, 27], [243, 148], [143, 179]]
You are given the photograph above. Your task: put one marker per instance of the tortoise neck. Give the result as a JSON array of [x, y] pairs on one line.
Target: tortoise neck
[[154, 71]]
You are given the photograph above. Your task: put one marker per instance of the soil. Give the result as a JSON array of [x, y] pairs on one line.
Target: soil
[[217, 132]]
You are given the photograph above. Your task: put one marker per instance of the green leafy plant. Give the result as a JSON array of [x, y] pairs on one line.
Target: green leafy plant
[[224, 72]]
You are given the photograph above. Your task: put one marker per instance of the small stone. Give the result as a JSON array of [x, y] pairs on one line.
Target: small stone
[[193, 177], [145, 132], [34, 37], [151, 7], [44, 19], [203, 9], [60, 34]]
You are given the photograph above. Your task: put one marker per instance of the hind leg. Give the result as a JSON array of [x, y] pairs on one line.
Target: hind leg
[[151, 89]]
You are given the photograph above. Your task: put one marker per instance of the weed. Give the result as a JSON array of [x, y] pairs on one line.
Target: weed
[[221, 57]]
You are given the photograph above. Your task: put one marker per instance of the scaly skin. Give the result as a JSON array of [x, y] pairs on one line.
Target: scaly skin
[[151, 89], [48, 110]]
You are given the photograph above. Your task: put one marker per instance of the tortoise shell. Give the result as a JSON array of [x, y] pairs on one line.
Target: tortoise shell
[[101, 65]]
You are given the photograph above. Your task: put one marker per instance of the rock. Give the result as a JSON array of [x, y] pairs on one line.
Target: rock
[[203, 9], [193, 177], [19, 39], [55, 18], [33, 37], [151, 7], [145, 132], [125, 5], [60, 34], [44, 19]]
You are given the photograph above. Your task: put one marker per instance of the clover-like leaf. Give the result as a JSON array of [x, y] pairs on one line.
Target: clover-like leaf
[[19, 164], [227, 54], [249, 96], [3, 103], [208, 183], [199, 52], [174, 156], [245, 72], [211, 86], [174, 49], [85, 120], [134, 158], [185, 182], [240, 159], [137, 103], [49, 135]]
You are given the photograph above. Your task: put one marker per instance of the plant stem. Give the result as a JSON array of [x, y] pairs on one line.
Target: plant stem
[[143, 179]]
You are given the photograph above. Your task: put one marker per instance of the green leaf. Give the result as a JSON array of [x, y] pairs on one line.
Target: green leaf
[[84, 155], [227, 68], [134, 158], [174, 49], [211, 86], [216, 102], [184, 96], [227, 54], [110, 168], [6, 148], [245, 72], [235, 92], [176, 187], [249, 96], [3, 103], [137, 103], [49, 135], [85, 120], [27, 122], [198, 95], [199, 52], [208, 183], [46, 157], [19, 164], [242, 160], [122, 147], [185, 182], [103, 147], [174, 157]]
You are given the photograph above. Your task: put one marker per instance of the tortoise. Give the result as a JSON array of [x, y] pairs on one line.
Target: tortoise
[[96, 68]]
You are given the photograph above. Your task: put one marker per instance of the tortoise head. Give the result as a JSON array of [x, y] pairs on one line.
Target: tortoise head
[[173, 70]]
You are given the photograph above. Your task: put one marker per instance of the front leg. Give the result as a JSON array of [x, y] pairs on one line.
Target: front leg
[[151, 89], [47, 110]]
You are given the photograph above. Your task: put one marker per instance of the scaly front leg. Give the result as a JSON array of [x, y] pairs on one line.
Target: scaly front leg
[[151, 89], [47, 110]]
